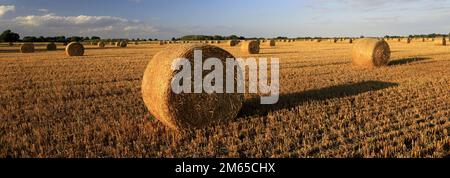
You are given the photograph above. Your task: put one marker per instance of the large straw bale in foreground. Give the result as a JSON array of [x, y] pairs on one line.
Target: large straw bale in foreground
[[371, 52], [75, 49], [27, 48], [250, 47], [186, 110]]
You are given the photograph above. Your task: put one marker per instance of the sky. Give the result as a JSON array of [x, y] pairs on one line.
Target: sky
[[164, 19]]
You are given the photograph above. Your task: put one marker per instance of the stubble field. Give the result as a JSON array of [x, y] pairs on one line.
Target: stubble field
[[52, 105]]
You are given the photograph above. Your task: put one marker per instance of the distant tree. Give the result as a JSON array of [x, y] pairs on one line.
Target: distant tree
[[50, 39], [9, 36], [233, 37], [362, 36], [75, 38], [95, 38], [174, 39], [29, 39], [40, 39], [60, 39]]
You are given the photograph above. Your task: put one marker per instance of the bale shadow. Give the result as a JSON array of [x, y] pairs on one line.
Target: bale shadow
[[314, 65], [252, 107], [407, 60], [9, 51], [287, 52]]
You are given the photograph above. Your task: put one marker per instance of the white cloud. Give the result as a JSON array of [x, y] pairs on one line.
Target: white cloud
[[6, 8], [43, 10], [81, 20], [82, 25], [135, 1]]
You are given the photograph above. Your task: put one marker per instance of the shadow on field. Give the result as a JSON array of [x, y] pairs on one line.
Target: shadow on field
[[407, 60], [252, 107], [281, 52], [9, 50]]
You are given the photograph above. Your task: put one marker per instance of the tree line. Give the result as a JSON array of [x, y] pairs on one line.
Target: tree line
[[9, 36]]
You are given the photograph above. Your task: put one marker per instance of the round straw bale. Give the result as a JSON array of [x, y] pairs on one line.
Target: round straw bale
[[101, 44], [51, 46], [251, 47], [75, 49], [407, 40], [27, 48], [122, 44], [233, 42], [136, 43], [161, 42], [186, 110], [440, 41], [371, 52], [272, 43]]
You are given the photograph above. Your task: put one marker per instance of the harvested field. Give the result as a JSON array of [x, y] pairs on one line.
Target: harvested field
[[52, 105]]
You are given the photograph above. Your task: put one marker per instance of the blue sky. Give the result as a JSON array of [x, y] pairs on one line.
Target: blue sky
[[252, 18]]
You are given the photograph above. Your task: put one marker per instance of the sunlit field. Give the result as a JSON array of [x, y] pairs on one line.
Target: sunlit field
[[52, 105]]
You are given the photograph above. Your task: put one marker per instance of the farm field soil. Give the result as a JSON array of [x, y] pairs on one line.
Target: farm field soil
[[52, 105]]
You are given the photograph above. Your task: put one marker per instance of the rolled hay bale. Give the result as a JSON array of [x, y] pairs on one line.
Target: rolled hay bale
[[136, 43], [371, 52], [27, 48], [272, 43], [186, 110], [233, 42], [406, 40], [161, 42], [101, 44], [51, 46], [122, 44], [250, 47], [440, 41], [75, 49]]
